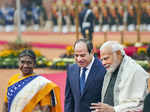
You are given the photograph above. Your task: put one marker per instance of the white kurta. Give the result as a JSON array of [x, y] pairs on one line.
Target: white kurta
[[130, 87]]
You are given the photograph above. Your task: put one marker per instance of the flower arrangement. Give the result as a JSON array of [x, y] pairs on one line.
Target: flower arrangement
[[141, 51], [61, 63], [127, 44], [144, 64], [69, 52], [9, 56], [146, 43], [42, 61], [138, 44]]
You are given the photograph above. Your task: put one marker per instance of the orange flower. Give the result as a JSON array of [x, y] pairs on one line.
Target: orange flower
[[141, 50]]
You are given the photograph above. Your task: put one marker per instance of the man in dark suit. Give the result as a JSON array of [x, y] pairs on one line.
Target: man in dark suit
[[146, 107], [84, 79], [86, 21]]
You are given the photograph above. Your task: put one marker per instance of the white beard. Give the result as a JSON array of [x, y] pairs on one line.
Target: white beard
[[115, 64]]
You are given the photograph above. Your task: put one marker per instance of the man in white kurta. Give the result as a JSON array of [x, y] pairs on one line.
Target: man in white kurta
[[130, 85]]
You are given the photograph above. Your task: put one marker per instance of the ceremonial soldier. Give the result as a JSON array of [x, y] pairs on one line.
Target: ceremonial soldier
[[120, 16], [105, 19], [86, 20], [72, 17], [9, 18], [148, 17], [113, 18], [23, 18], [143, 17], [36, 16], [2, 19], [96, 11], [65, 19], [131, 18], [54, 17]]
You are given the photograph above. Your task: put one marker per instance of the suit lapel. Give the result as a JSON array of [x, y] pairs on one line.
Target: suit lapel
[[77, 79], [91, 77]]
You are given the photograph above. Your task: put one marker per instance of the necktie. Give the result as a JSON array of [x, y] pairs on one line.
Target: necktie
[[82, 80]]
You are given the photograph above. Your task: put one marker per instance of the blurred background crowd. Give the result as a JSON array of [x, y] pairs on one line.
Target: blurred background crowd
[[59, 15]]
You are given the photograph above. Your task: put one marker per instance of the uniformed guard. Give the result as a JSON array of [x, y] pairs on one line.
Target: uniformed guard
[[9, 18], [148, 18], [36, 16], [113, 18], [131, 17], [105, 19], [2, 19], [86, 20], [120, 16]]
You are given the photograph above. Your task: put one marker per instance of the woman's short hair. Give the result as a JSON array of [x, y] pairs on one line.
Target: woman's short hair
[[28, 52]]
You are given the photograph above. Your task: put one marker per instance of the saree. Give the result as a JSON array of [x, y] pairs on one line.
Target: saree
[[23, 94]]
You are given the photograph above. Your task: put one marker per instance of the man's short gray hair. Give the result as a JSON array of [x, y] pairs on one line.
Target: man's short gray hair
[[114, 45]]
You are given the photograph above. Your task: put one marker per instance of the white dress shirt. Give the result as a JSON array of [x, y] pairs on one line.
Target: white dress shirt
[[88, 69]]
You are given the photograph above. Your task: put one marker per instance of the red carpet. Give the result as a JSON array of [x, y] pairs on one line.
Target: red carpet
[[41, 45], [59, 79]]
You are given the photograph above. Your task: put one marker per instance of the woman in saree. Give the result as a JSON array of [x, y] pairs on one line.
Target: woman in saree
[[30, 92]]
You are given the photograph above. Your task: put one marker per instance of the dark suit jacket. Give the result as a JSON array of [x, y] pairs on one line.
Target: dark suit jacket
[[74, 101], [147, 104]]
